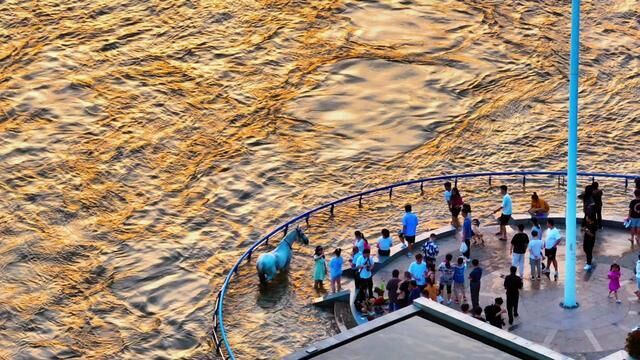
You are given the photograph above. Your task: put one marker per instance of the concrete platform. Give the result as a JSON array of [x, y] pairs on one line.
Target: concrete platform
[[596, 329]]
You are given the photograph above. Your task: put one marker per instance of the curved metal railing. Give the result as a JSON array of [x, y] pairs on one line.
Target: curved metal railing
[[218, 314]]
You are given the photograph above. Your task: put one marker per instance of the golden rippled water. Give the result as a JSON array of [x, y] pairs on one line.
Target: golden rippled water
[[145, 144]]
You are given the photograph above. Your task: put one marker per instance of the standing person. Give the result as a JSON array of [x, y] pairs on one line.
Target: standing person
[[539, 207], [535, 255], [634, 218], [588, 204], [384, 243], [320, 268], [409, 227], [518, 249], [513, 284], [365, 268], [589, 240], [430, 291], [467, 232], [403, 293], [535, 226], [418, 270], [447, 199], [361, 242], [431, 250], [614, 281], [335, 270], [392, 290], [474, 283], [551, 248], [431, 273], [414, 291], [507, 210], [597, 200], [456, 206], [353, 261], [446, 276], [458, 281], [494, 312]]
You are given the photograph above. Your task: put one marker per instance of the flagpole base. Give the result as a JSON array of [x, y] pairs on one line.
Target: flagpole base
[[574, 306]]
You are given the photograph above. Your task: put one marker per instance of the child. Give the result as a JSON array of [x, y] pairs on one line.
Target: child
[[478, 238], [431, 250], [335, 265], [465, 309], [614, 281], [446, 276], [458, 280], [637, 292], [430, 291], [414, 291], [378, 301], [320, 269]]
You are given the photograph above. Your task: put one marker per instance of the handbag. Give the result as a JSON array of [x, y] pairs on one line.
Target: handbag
[[463, 247]]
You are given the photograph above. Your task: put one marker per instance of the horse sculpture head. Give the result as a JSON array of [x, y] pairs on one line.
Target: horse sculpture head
[[301, 236]]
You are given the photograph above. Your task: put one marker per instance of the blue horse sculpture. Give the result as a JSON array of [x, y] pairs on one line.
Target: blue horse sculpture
[[269, 264]]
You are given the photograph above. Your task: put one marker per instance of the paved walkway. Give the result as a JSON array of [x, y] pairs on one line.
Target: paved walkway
[[598, 327]]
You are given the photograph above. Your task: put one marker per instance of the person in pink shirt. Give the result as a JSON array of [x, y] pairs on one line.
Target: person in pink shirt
[[614, 281]]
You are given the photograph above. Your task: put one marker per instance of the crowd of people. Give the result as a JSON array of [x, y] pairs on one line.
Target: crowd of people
[[447, 282]]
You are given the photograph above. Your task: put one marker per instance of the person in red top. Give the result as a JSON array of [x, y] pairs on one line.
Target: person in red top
[[456, 206]]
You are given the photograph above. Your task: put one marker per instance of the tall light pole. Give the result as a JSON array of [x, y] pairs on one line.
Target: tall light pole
[[572, 162]]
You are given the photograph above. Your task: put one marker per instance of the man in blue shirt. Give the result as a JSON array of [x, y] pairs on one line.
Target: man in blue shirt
[[507, 210], [409, 227]]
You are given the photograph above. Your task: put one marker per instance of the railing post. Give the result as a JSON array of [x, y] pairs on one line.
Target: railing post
[[421, 188], [593, 179], [524, 181], [455, 182], [626, 183], [331, 210], [390, 192], [360, 201], [249, 256], [489, 181], [286, 229], [306, 220]]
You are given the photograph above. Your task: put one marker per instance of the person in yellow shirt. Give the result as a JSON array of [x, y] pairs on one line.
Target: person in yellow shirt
[[539, 207], [430, 291]]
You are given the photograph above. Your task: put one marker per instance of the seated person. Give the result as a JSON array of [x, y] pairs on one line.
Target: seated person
[[539, 208]]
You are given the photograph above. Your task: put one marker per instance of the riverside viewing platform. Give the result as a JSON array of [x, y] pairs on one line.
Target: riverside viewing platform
[[596, 329]]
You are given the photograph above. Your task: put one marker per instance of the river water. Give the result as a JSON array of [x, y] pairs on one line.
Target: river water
[[146, 144]]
